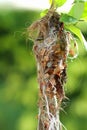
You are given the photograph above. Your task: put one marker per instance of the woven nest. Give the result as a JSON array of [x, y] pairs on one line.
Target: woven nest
[[51, 48]]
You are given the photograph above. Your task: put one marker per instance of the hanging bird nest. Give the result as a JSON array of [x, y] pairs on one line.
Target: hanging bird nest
[[51, 49]]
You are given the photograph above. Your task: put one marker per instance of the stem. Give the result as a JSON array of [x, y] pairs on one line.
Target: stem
[[53, 4]]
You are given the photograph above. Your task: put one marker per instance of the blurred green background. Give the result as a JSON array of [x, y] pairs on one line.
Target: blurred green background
[[18, 81]]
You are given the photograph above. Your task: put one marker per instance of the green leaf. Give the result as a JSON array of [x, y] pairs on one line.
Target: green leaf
[[85, 10], [78, 33], [44, 12], [67, 19], [84, 19], [77, 10], [58, 3], [80, 0]]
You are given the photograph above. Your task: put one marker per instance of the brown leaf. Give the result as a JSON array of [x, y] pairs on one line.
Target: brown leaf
[[46, 75], [56, 70], [46, 58], [71, 52], [42, 51]]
